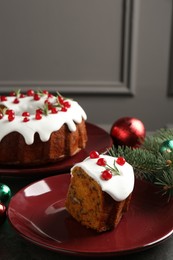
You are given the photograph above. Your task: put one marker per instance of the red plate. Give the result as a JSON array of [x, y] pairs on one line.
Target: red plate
[[43, 220], [98, 139]]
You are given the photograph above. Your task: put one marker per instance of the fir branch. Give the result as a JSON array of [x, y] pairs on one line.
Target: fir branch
[[148, 162], [152, 144], [164, 134], [143, 161], [166, 182]]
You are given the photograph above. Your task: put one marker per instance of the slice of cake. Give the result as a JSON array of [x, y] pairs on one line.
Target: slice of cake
[[100, 191]]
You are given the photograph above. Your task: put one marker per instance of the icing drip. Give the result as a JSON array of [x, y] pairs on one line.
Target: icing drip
[[44, 127], [120, 186]]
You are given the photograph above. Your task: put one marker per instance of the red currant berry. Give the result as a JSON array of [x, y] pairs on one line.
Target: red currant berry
[[54, 110], [26, 119], [1, 116], [64, 109], [94, 154], [50, 95], [121, 161], [66, 104], [36, 97], [49, 106], [39, 111], [22, 95], [45, 92], [101, 162], [30, 92], [38, 116], [16, 101], [48, 103], [106, 175], [11, 117], [60, 99], [12, 94], [3, 98], [25, 113], [10, 112]]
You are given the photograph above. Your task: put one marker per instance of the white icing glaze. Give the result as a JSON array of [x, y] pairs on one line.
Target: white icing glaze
[[45, 126], [119, 187]]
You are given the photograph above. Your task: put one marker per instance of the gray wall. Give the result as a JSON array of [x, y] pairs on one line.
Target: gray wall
[[113, 56]]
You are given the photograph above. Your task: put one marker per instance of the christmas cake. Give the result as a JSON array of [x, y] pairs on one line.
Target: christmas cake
[[100, 191], [38, 127]]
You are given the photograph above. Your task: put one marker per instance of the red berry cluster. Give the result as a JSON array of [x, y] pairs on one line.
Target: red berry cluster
[[3, 98], [109, 171], [26, 116], [48, 107], [11, 114], [64, 104]]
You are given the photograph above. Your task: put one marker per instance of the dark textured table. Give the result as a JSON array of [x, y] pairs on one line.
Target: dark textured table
[[14, 247]]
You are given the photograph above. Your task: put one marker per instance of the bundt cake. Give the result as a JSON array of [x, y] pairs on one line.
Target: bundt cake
[[38, 127], [100, 191]]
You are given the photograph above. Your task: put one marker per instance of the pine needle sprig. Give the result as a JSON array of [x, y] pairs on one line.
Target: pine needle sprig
[[114, 169], [149, 162], [17, 93], [45, 109], [166, 182], [164, 134], [152, 144], [143, 161]]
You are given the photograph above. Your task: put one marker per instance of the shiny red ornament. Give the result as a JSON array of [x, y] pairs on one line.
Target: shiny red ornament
[[2, 213], [128, 131]]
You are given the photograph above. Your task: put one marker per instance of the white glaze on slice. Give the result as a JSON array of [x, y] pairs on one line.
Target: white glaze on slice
[[119, 187]]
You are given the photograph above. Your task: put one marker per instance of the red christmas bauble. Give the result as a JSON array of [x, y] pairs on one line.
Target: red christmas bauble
[[128, 131], [2, 213]]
